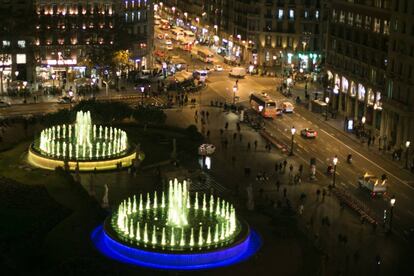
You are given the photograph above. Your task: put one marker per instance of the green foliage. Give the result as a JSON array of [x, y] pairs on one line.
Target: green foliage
[[193, 133], [63, 116], [149, 115], [104, 112]]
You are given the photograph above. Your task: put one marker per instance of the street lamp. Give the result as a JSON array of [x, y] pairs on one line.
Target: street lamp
[[407, 146], [53, 79], [1, 80], [142, 95], [326, 111], [16, 73], [292, 131], [234, 93], [392, 203], [335, 161]]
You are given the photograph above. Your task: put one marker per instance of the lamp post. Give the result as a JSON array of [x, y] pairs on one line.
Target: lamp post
[[16, 73], [363, 120], [53, 79], [392, 203], [292, 131], [142, 95], [1, 80], [234, 93], [326, 111], [335, 161], [407, 147]]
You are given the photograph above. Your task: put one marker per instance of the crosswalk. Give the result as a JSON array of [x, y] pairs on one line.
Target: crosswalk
[[206, 183]]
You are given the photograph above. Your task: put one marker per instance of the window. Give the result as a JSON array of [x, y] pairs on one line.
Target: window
[[267, 56], [386, 27], [268, 41], [6, 43], [361, 92], [21, 43], [334, 16], [377, 25], [368, 22], [280, 14], [278, 41], [21, 58], [342, 17], [305, 14], [358, 20], [350, 18], [291, 14], [317, 14]]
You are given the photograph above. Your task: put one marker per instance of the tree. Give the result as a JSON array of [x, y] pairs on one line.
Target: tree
[[122, 59]]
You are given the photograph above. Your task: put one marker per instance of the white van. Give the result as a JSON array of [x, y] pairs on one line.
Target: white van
[[237, 72]]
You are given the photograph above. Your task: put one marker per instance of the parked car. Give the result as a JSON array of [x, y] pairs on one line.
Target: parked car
[[309, 133], [4, 104], [206, 149], [218, 68]]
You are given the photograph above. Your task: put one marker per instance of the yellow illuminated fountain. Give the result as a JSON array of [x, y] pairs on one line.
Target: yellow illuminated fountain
[[81, 145]]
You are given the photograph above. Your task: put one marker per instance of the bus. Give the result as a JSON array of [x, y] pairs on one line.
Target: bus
[[205, 56], [263, 105]]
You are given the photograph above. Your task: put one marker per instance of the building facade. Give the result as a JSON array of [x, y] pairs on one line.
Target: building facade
[[398, 106], [72, 35], [370, 52], [15, 38]]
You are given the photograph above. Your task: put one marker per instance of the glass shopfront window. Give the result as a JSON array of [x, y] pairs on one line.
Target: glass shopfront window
[[361, 92], [344, 85], [352, 92]]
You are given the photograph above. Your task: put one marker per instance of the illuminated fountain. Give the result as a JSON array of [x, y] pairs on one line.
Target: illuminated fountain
[[175, 230], [81, 144]]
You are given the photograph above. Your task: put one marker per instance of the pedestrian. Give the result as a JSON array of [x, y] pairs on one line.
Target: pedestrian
[[284, 192], [276, 167], [290, 169], [323, 194], [226, 142], [300, 169], [255, 144], [280, 167], [208, 134], [240, 137], [369, 141], [238, 127], [277, 185], [373, 140], [234, 136], [221, 132], [300, 211], [318, 192], [233, 160], [207, 114], [284, 165], [202, 113], [226, 126], [248, 146]]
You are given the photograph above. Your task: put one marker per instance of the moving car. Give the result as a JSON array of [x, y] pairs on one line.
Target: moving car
[[309, 133], [237, 72], [218, 68], [206, 149], [287, 107], [373, 184], [4, 104], [65, 100]]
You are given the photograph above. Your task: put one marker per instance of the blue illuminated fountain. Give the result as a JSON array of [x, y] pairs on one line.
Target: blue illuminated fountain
[[176, 230]]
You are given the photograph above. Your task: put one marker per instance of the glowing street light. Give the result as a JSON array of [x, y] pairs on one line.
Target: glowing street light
[[407, 146], [173, 10], [326, 111], [53, 78], [292, 131], [334, 161], [142, 95], [392, 203]]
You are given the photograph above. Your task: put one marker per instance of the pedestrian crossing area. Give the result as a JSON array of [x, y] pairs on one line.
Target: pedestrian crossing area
[[206, 183]]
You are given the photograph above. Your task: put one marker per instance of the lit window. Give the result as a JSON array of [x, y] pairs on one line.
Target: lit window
[[280, 14], [377, 25], [21, 58], [6, 43], [317, 14], [291, 14]]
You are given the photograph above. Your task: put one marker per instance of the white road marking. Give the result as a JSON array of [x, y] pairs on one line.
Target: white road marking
[[356, 152]]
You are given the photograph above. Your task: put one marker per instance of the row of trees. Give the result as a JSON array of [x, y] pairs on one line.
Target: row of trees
[[107, 113]]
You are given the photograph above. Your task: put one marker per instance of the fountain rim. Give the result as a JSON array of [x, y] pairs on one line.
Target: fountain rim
[[240, 238], [126, 153]]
